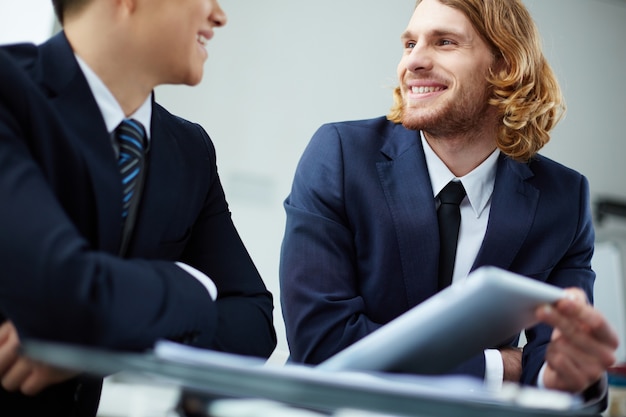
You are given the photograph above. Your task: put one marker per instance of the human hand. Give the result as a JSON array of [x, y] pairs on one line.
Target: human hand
[[18, 372], [512, 361], [582, 346]]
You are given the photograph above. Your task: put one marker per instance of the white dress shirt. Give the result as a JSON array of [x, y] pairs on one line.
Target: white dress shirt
[[113, 115], [475, 209]]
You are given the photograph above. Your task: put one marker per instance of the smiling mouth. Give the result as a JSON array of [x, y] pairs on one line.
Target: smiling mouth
[[202, 40], [424, 90]]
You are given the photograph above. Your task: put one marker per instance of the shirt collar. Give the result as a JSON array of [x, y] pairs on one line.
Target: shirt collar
[[478, 183], [109, 107]]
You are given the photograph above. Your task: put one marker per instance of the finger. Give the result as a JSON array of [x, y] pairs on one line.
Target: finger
[[560, 375], [43, 376], [550, 315], [572, 316], [8, 357], [17, 374], [571, 372], [33, 384], [575, 293], [589, 357], [574, 319], [600, 330], [583, 342], [5, 331], [586, 362], [9, 349]]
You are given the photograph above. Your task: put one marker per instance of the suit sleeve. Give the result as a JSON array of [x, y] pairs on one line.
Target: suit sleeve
[[322, 308], [572, 269], [244, 305]]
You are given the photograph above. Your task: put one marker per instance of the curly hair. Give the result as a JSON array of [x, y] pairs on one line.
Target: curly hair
[[525, 91]]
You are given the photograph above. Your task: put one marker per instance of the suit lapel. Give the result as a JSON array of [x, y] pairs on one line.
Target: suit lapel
[[409, 195], [163, 178], [72, 99], [513, 207]]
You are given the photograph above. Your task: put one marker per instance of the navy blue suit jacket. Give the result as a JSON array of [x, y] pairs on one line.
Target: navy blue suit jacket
[[361, 242], [62, 277]]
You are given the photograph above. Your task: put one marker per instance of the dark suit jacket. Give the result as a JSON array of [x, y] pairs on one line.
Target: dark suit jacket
[[361, 242], [62, 278]]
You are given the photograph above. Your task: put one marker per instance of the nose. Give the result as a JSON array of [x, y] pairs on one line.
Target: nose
[[218, 17], [419, 58]]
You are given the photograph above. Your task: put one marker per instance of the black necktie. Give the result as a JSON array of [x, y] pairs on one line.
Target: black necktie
[[131, 136], [449, 217]]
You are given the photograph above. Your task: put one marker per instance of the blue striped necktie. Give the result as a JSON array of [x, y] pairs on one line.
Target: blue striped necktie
[[131, 136]]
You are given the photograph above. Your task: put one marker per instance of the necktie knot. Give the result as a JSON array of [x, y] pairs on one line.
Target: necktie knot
[[131, 135], [452, 193]]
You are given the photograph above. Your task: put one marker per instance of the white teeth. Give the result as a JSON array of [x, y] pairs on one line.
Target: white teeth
[[202, 40], [423, 90]]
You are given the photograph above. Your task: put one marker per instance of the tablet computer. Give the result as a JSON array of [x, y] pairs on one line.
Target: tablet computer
[[482, 311]]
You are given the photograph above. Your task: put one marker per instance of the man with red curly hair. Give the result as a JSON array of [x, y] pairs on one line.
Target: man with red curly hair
[[475, 103]]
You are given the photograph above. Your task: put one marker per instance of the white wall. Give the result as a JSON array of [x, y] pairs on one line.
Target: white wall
[[584, 41], [276, 71], [280, 68], [25, 20]]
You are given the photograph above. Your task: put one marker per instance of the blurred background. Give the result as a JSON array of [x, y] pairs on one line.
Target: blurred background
[[280, 68]]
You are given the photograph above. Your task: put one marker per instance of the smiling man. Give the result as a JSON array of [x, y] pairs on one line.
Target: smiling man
[[363, 242], [115, 228]]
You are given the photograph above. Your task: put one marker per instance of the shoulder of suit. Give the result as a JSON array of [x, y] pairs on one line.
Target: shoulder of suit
[[542, 164], [23, 55], [379, 133], [177, 126], [169, 118], [376, 123], [16, 67], [379, 127]]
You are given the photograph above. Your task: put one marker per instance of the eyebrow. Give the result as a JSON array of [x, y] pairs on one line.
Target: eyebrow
[[405, 35], [438, 33]]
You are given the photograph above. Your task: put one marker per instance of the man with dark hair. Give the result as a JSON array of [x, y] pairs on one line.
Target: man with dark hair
[[363, 244], [115, 228]]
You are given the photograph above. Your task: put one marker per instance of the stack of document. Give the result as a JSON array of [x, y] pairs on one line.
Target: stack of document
[[385, 372]]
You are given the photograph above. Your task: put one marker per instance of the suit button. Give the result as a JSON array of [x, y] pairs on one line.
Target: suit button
[[77, 391]]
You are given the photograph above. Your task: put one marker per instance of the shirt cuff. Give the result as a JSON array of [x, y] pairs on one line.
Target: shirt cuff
[[494, 369], [202, 278], [540, 383]]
